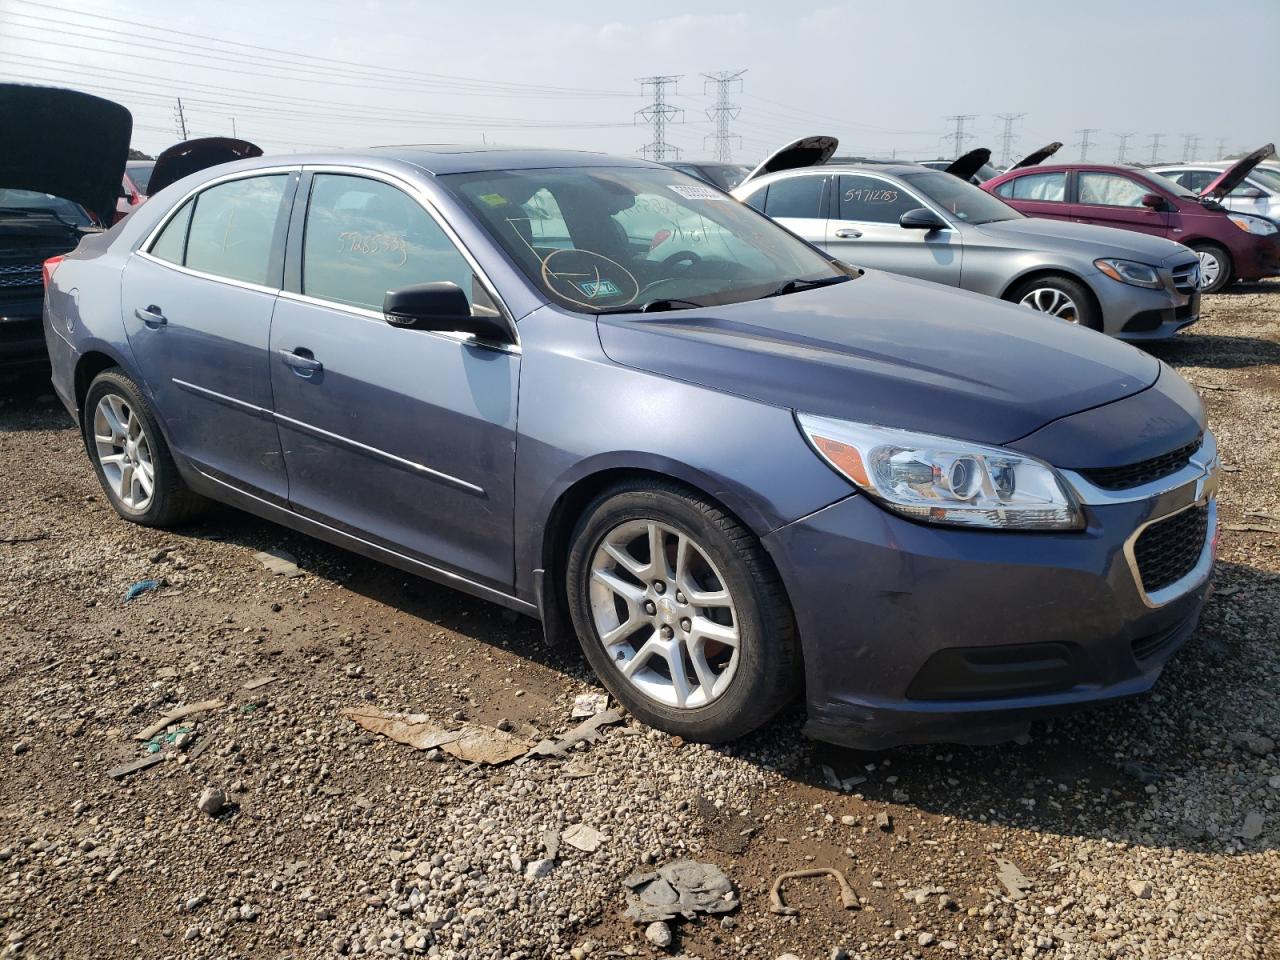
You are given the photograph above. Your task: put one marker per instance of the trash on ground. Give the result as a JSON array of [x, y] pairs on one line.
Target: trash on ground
[[589, 729], [589, 704], [141, 587], [848, 899], [25, 538], [474, 742], [584, 838], [133, 766], [679, 888], [845, 784], [259, 682], [1013, 879], [173, 716], [280, 562]]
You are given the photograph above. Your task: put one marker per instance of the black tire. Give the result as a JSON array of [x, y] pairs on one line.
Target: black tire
[[768, 672], [1087, 312], [171, 503], [1226, 266]]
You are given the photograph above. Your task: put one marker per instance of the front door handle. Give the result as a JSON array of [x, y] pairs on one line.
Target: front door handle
[[301, 362], [848, 233], [151, 316]]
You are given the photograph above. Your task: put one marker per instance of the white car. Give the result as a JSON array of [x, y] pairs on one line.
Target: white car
[[1259, 194]]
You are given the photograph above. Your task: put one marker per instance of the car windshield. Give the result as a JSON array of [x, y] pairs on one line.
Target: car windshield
[[615, 239], [1270, 179], [960, 198], [141, 176], [726, 176], [30, 202], [1167, 184]]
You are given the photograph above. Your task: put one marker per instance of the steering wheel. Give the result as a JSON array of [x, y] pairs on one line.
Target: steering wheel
[[684, 256]]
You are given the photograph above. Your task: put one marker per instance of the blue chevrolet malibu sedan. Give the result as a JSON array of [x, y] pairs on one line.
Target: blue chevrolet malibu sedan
[[602, 393]]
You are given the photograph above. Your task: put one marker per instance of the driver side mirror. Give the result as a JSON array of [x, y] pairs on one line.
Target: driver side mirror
[[1249, 193], [1153, 201], [921, 219], [441, 307]]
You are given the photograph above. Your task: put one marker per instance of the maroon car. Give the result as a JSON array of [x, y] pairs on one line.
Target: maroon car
[[1231, 246]]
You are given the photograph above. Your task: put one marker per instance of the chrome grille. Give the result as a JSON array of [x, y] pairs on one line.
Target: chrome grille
[[21, 275], [1144, 471], [1186, 277]]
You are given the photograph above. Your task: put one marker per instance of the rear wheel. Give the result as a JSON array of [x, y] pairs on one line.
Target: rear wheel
[[130, 455], [1061, 297], [680, 612], [1216, 268]]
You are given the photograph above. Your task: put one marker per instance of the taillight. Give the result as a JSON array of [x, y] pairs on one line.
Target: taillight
[[50, 265]]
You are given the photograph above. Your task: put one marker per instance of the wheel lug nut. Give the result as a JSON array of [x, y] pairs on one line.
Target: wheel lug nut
[[685, 625], [659, 587], [649, 608], [667, 633], [680, 597]]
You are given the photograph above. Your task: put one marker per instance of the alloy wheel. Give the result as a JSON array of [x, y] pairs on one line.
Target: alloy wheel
[[664, 614], [1210, 268], [1052, 301], [124, 452]]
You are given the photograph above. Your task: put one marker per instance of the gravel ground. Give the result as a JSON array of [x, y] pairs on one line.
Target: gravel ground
[[1145, 829]]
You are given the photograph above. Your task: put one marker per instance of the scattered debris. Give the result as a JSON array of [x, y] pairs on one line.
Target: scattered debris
[[836, 783], [1140, 889], [728, 831], [658, 933], [1212, 386], [1142, 772], [588, 730], [584, 838], [1251, 527], [141, 587], [1013, 879], [473, 743], [679, 888], [1259, 745], [133, 766], [537, 869], [884, 822], [280, 562], [259, 682], [28, 538], [551, 842], [158, 556], [926, 939], [212, 801], [589, 704], [848, 899], [1230, 591], [173, 716], [1252, 828]]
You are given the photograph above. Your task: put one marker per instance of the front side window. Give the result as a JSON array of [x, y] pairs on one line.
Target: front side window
[[798, 197], [364, 238], [232, 228], [960, 198], [1110, 190], [636, 236], [872, 200], [1051, 187]]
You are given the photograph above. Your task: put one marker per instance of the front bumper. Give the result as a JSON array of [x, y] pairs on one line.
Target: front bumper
[[918, 633], [1140, 313]]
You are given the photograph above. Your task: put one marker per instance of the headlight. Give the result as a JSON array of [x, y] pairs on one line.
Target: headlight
[[941, 480], [1130, 271], [1258, 225]]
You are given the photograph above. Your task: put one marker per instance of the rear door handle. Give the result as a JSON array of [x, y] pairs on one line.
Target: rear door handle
[[848, 233], [301, 361], [151, 316]]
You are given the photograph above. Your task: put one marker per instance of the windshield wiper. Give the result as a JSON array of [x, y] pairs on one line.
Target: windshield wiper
[[653, 306], [799, 283]]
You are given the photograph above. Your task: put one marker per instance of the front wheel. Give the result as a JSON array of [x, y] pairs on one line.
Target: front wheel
[[1060, 297], [681, 613], [1216, 268]]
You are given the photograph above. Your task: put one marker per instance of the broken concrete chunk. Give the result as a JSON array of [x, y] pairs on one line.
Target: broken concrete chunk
[[280, 562], [584, 838], [589, 704], [474, 742], [1013, 879], [681, 887]]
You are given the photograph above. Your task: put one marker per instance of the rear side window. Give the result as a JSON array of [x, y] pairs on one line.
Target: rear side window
[[364, 238], [869, 200], [1110, 190], [1035, 186], [797, 197], [171, 245], [232, 228], [757, 200]]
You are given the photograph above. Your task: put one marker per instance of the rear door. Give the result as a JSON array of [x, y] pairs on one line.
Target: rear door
[[799, 203], [1038, 194], [197, 302], [865, 231], [1115, 200]]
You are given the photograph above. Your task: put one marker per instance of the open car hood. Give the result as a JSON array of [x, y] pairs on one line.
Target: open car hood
[[966, 166], [805, 152], [1234, 175], [192, 156], [1038, 156], [68, 144]]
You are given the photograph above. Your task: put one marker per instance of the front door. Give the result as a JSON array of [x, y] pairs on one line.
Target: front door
[[197, 311], [1115, 200], [866, 232], [402, 437]]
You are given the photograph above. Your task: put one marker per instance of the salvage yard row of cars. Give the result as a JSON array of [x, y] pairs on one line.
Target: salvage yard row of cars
[[797, 475]]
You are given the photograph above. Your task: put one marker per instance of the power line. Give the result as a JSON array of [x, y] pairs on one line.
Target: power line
[[722, 112], [958, 135], [1124, 143], [658, 114], [1007, 137], [1084, 143], [1155, 146]]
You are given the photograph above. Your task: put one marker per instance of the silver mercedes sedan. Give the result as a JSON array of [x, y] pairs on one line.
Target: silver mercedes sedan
[[909, 219]]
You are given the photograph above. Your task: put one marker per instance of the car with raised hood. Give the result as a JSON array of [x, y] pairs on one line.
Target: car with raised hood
[[58, 183], [935, 225], [720, 174], [1230, 246], [732, 466], [180, 160], [1258, 194]]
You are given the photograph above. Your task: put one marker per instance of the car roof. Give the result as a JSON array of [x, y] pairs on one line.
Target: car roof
[[848, 166], [444, 158]]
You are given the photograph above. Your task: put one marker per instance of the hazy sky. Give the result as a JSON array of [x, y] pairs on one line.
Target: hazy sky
[[882, 77]]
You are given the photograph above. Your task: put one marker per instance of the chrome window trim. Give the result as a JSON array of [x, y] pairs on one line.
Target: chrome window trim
[[150, 239], [218, 278], [1197, 575], [1202, 465]]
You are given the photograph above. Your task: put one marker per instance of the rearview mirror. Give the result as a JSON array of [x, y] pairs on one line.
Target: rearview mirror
[[1153, 200], [921, 219], [442, 307]]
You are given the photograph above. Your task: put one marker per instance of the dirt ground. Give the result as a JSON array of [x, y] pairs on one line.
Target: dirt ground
[[1147, 829]]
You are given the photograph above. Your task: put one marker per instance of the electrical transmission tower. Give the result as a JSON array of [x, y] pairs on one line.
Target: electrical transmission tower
[[1084, 143], [723, 111], [1124, 145], [1190, 146], [1222, 148], [958, 136], [1155, 146], [1007, 138], [180, 120], [658, 114]]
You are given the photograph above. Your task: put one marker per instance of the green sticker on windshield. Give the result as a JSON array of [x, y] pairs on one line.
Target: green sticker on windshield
[[595, 289], [494, 199]]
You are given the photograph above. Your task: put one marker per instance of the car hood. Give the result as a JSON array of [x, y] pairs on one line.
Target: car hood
[[1234, 175], [889, 350], [1038, 156], [805, 152], [192, 156], [966, 166], [79, 152], [1081, 238]]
